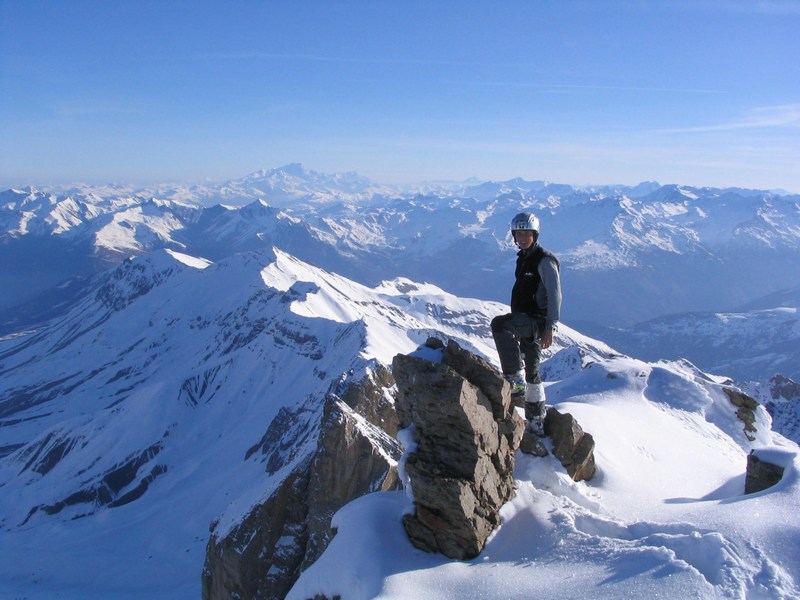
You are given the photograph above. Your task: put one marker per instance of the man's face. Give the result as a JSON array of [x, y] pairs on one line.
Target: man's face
[[524, 239]]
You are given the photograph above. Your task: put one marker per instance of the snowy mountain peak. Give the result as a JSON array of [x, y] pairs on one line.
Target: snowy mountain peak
[[295, 182], [293, 171], [694, 242], [673, 193]]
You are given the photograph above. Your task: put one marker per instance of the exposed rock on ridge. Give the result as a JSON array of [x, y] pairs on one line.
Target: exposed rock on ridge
[[784, 406], [761, 474], [746, 407], [572, 446], [782, 387], [262, 556], [461, 470], [466, 431]]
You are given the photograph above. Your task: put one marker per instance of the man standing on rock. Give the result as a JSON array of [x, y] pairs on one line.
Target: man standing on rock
[[521, 335]]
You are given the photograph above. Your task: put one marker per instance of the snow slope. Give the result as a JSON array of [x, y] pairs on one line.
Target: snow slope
[[124, 423], [125, 426], [664, 518]]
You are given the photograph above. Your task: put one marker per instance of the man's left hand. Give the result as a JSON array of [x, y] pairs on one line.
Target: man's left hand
[[547, 338]]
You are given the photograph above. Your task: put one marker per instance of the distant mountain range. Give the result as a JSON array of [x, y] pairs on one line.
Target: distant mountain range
[[749, 345], [630, 254]]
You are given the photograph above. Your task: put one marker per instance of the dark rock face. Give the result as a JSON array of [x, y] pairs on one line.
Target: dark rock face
[[264, 554], [466, 432], [350, 462], [746, 407], [235, 566], [782, 387], [369, 399], [784, 407], [106, 490], [572, 446], [760, 474]]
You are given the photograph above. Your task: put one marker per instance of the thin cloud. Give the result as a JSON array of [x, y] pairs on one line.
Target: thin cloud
[[750, 7], [780, 116], [83, 107], [769, 7], [352, 60], [565, 87]]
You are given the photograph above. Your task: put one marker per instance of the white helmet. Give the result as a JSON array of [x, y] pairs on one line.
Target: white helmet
[[525, 222]]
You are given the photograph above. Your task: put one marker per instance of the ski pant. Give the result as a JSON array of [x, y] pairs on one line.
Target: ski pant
[[516, 337]]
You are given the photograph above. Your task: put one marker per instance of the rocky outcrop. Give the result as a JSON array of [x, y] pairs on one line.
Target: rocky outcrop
[[264, 553], [461, 467], [761, 474], [465, 432], [261, 556], [784, 407], [372, 399], [351, 461], [746, 410], [782, 387], [121, 484], [572, 446]]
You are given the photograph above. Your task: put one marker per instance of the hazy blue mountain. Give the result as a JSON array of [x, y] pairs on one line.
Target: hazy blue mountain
[[629, 254]]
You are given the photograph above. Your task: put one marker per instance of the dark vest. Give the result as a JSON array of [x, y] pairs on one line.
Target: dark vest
[[523, 295]]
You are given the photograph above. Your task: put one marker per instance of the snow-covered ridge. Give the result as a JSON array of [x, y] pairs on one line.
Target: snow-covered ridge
[[130, 418], [148, 393], [665, 515]]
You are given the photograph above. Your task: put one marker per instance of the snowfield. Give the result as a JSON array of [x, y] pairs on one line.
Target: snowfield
[[665, 517]]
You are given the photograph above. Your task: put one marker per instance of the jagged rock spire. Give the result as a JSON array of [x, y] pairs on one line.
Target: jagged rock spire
[[465, 432]]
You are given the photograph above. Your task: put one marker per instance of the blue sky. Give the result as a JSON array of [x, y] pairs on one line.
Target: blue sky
[[698, 93]]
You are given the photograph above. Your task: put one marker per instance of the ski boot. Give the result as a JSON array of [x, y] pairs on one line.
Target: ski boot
[[518, 387], [535, 426], [534, 421]]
